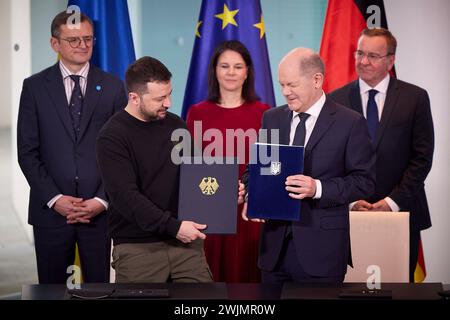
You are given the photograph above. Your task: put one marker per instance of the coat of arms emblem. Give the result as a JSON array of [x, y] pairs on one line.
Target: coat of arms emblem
[[209, 186], [275, 168]]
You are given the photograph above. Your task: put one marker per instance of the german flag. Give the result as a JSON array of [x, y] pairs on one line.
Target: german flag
[[420, 273], [344, 21]]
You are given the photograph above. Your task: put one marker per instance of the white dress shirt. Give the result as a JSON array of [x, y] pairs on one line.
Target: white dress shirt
[[68, 86], [380, 99], [313, 112]]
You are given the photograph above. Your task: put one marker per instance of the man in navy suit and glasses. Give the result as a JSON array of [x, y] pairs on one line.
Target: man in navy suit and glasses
[[339, 168], [402, 133], [61, 110]]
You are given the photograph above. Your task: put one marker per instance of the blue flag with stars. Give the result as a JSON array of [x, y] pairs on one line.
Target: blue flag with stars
[[114, 49], [222, 20]]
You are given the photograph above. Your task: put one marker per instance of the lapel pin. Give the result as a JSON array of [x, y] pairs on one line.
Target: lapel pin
[[98, 88]]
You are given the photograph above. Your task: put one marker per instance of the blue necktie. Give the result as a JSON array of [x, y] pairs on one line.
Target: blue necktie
[[76, 104], [372, 114], [300, 131]]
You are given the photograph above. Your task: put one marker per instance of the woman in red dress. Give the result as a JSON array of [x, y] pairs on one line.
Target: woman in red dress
[[231, 104]]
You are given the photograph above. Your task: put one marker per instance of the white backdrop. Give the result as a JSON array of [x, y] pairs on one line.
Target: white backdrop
[[5, 58], [422, 30]]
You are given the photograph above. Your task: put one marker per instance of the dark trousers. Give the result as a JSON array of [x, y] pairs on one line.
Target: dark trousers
[[55, 251], [414, 239], [288, 269]]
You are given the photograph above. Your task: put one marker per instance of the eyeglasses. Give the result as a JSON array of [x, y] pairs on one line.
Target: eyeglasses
[[75, 42], [371, 57]]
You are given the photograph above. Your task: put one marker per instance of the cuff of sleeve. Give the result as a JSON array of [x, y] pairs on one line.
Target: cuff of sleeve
[[318, 194], [173, 225], [391, 203], [350, 206], [103, 202], [51, 203]]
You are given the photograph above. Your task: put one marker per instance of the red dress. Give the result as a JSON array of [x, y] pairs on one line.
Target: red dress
[[232, 258]]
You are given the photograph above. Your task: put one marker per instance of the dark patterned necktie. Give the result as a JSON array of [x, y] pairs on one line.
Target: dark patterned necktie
[[76, 104]]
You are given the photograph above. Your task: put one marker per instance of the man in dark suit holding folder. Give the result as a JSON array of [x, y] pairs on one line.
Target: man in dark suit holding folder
[[339, 167]]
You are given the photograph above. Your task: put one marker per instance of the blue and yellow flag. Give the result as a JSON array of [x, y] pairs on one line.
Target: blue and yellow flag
[[222, 20], [114, 49]]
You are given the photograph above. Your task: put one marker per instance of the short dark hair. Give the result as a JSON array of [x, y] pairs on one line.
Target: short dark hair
[[248, 88], [143, 71], [312, 64], [382, 32], [62, 18]]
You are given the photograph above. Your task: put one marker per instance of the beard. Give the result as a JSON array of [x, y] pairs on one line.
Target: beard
[[152, 115]]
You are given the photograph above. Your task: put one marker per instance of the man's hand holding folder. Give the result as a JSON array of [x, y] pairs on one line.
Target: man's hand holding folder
[[241, 193], [241, 199], [300, 186], [190, 231]]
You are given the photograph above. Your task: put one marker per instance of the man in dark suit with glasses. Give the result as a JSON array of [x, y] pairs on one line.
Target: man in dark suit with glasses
[[62, 109], [401, 128]]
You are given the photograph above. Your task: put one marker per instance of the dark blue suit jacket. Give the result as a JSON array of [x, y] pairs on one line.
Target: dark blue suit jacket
[[404, 146], [52, 160], [340, 155]]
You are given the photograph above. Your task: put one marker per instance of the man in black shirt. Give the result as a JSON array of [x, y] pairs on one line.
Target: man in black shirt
[[141, 181]]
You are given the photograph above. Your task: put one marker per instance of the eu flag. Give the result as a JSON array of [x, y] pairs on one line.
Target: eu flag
[[114, 49], [222, 20]]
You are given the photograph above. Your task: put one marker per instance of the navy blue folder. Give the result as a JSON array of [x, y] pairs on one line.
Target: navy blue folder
[[270, 165], [208, 194]]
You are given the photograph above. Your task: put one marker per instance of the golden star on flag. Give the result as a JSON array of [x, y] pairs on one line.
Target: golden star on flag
[[261, 27], [227, 16], [197, 32]]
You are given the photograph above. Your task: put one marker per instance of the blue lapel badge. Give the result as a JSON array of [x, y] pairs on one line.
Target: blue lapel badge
[[98, 88]]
